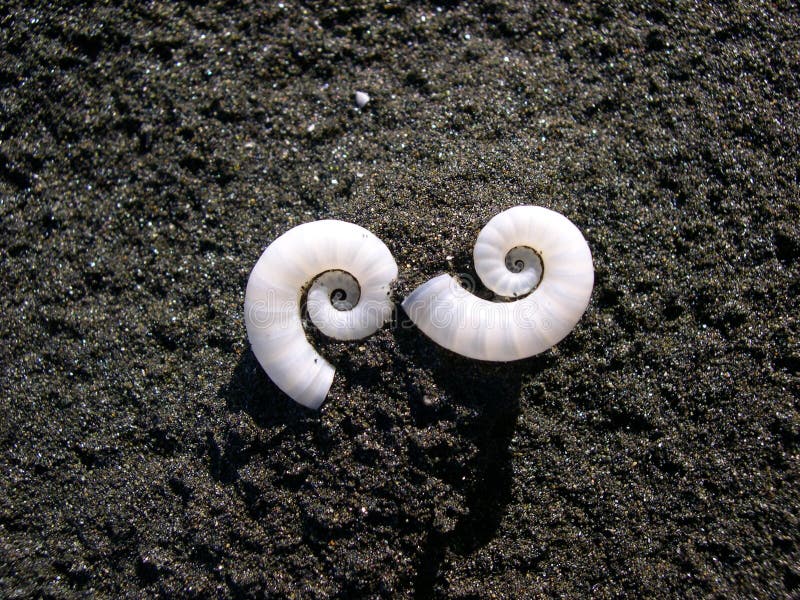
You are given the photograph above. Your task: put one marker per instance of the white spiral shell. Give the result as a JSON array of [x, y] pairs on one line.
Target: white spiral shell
[[332, 256], [555, 270]]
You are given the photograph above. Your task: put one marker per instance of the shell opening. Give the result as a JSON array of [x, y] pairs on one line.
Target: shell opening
[[524, 259], [340, 287], [339, 300]]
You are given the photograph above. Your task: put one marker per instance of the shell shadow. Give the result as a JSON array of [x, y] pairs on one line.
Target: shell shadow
[[477, 403], [249, 390], [490, 393]]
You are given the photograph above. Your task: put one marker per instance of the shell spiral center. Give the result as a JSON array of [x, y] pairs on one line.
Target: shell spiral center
[[527, 263]]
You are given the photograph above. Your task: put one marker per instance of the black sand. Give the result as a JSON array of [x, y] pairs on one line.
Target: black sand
[[148, 155]]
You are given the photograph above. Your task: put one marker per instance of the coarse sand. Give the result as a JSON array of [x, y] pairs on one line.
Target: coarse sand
[[149, 153]]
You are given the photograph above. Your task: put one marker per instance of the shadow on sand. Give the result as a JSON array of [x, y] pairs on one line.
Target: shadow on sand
[[483, 402], [480, 403]]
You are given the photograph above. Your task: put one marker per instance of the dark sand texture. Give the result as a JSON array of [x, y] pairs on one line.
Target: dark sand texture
[[149, 153]]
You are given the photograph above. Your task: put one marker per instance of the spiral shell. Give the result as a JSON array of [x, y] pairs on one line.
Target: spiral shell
[[527, 252], [346, 271]]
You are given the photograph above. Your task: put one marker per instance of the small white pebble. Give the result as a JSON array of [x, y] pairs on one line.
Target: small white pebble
[[361, 99]]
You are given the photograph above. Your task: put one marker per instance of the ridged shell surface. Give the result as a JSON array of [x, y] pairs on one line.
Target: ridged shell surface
[[342, 253], [552, 274]]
